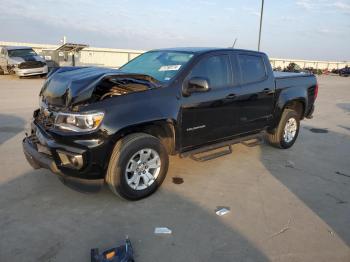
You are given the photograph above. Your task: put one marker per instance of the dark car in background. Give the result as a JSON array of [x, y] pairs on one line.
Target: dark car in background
[[345, 71], [22, 61]]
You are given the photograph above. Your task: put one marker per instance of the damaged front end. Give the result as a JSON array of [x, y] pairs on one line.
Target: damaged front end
[[68, 91], [65, 134], [71, 86]]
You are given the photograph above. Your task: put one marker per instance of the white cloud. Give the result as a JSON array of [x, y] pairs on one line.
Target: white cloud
[[251, 11], [306, 4], [342, 7], [324, 6]]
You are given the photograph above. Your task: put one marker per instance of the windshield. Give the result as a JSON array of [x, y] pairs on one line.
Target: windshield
[[161, 65], [21, 52]]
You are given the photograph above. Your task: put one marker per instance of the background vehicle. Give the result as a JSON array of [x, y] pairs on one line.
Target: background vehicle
[[345, 71], [119, 126], [22, 61]]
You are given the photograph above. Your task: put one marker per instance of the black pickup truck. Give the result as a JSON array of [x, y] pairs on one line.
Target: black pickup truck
[[97, 125]]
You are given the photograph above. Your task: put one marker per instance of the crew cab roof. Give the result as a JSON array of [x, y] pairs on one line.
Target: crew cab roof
[[200, 50]]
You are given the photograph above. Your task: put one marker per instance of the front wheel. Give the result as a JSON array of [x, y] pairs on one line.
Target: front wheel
[[285, 135], [137, 167]]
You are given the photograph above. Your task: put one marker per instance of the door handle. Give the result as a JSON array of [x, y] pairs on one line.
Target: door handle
[[268, 91], [231, 96]]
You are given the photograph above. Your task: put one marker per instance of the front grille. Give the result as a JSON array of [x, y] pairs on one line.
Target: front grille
[[31, 64], [46, 121]]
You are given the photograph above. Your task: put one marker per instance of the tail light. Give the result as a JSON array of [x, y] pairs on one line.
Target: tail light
[[316, 90]]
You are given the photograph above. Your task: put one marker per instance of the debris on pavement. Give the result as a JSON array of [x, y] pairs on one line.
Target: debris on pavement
[[342, 174], [122, 253], [339, 201], [284, 229], [178, 180], [162, 230], [221, 211], [290, 164]]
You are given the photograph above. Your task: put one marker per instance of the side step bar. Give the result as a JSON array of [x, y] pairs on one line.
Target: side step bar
[[209, 156], [228, 143]]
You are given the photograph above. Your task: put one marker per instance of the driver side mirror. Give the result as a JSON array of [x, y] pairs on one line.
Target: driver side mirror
[[196, 85]]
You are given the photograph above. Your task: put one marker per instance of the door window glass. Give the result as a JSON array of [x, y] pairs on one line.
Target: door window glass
[[253, 68], [216, 69]]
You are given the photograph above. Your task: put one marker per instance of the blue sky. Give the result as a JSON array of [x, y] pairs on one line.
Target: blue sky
[[306, 29]]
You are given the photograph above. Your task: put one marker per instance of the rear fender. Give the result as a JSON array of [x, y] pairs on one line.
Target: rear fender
[[292, 97]]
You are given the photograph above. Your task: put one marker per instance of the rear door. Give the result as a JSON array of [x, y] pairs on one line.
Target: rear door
[[208, 117], [256, 97]]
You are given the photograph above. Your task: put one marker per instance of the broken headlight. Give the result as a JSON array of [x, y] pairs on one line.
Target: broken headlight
[[78, 122]]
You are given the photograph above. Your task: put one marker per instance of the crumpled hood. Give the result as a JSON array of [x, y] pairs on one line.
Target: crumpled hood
[[68, 86], [14, 60]]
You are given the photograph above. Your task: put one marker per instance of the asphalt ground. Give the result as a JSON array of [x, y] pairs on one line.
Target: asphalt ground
[[285, 205]]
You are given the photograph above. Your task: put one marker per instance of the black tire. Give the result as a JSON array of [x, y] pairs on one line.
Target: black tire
[[123, 151], [276, 138]]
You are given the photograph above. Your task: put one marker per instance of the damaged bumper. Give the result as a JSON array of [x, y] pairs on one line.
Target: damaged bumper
[[31, 71], [69, 163]]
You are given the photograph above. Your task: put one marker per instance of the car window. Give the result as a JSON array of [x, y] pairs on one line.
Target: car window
[[21, 52], [216, 69], [253, 68]]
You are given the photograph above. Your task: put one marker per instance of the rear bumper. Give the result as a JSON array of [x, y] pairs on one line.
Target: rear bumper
[[31, 71], [88, 180]]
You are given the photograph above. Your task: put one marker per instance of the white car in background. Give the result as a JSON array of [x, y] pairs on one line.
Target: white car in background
[[22, 61]]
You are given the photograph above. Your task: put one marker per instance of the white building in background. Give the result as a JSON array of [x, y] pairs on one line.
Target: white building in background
[[110, 57]]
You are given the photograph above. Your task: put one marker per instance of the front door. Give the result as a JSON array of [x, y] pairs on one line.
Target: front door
[[208, 117]]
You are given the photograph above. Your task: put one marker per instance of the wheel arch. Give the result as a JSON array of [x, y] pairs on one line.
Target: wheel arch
[[164, 130], [297, 104]]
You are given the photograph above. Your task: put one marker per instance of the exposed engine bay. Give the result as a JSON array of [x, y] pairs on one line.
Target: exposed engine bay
[[70, 87], [118, 85]]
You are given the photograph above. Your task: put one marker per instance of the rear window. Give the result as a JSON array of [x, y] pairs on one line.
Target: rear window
[[253, 68]]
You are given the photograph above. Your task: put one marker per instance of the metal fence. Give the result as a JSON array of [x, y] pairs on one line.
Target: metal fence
[[110, 57]]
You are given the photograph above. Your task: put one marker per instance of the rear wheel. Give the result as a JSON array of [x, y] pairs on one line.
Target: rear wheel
[[286, 133], [137, 167]]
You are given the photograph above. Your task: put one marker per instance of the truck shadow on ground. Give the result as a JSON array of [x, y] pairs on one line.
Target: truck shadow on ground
[[319, 176], [42, 220], [10, 126], [344, 106]]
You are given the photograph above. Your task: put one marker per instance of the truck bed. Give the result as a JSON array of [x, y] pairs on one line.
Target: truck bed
[[279, 75]]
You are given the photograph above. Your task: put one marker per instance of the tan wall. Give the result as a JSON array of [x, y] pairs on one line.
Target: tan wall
[[111, 57], [277, 62]]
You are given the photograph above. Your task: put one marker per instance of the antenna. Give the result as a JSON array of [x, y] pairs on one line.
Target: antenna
[[234, 43]]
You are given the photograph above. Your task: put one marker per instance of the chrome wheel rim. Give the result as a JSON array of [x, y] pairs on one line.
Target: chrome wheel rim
[[142, 169], [290, 130]]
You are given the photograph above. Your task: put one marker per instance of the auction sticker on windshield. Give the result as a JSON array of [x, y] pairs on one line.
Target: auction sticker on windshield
[[169, 68]]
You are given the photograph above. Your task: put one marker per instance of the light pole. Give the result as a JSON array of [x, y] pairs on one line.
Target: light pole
[[261, 19]]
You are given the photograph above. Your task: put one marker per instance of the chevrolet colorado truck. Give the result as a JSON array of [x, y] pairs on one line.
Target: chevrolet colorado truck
[[98, 125], [22, 61]]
